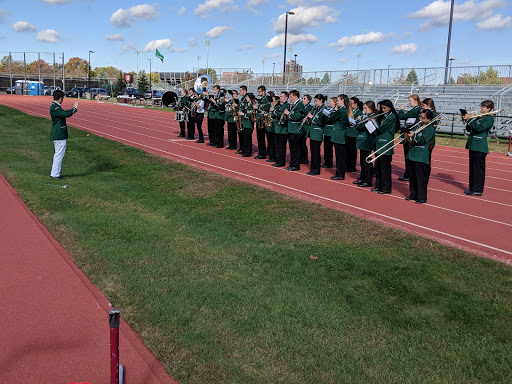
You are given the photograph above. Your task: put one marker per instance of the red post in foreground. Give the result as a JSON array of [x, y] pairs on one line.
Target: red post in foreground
[[113, 320]]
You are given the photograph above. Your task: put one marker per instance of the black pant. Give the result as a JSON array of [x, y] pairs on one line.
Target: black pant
[[241, 139], [260, 137], [316, 159], [182, 128], [328, 151], [199, 125], [341, 156], [383, 171], [191, 127], [211, 130], [295, 149], [366, 175], [219, 132], [247, 142], [281, 140], [304, 149], [476, 171], [418, 183], [271, 145], [231, 135], [351, 154], [407, 145]]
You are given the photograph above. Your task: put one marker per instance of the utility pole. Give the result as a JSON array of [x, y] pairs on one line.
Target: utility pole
[[449, 42]]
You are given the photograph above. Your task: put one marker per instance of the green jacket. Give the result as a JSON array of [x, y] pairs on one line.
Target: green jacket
[[414, 113], [315, 130], [221, 109], [228, 115], [273, 114], [281, 127], [419, 146], [328, 128], [295, 117], [364, 140], [478, 131], [351, 130], [58, 117], [384, 134], [184, 102], [247, 123], [339, 120]]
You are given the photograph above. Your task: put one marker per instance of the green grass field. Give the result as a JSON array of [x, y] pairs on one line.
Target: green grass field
[[231, 283]]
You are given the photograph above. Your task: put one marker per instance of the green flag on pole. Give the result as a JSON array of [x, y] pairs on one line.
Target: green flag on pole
[[159, 55]]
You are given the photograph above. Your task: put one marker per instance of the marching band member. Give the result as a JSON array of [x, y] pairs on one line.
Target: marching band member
[[411, 117], [428, 103], [295, 115], [263, 107], [281, 130], [388, 125], [365, 142], [315, 132], [274, 101], [248, 124], [220, 117], [232, 106], [419, 157], [212, 116], [478, 128], [184, 106], [339, 119], [243, 106], [306, 100], [328, 145], [199, 103], [191, 124], [356, 105]]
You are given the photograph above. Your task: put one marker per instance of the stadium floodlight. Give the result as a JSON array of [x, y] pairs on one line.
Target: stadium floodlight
[[285, 40]]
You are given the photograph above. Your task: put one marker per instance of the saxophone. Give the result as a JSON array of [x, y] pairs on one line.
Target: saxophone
[[307, 120], [234, 112]]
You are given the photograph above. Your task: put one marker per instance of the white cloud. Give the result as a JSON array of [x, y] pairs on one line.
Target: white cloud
[[354, 40], [48, 36], [3, 12], [495, 22], [129, 47], [158, 44], [23, 26], [343, 60], [408, 49], [278, 41], [126, 17], [192, 42], [244, 47], [205, 9], [182, 11], [437, 13], [179, 50], [115, 37], [305, 17], [217, 31], [253, 5]]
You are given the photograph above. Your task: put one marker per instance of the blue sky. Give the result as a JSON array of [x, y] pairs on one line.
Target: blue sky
[[325, 35]]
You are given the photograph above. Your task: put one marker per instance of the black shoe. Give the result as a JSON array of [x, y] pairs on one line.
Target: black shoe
[[313, 173], [351, 170], [358, 181], [384, 192], [181, 135], [364, 185], [375, 189], [246, 155], [271, 160], [210, 144], [293, 169], [304, 162], [326, 166], [259, 157], [337, 178], [58, 177], [200, 141], [410, 198], [472, 193], [229, 148], [477, 193], [189, 138], [278, 165], [219, 146], [401, 178], [421, 201], [238, 152]]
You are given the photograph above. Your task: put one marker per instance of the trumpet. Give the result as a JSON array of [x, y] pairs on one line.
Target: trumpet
[[369, 118]]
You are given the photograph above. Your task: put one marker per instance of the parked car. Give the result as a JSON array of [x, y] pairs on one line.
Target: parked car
[[49, 90], [99, 91], [10, 90], [130, 91], [152, 93], [77, 92]]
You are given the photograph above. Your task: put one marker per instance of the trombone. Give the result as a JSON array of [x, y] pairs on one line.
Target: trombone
[[480, 115]]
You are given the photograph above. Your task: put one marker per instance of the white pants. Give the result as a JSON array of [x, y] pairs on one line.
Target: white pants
[[60, 150]]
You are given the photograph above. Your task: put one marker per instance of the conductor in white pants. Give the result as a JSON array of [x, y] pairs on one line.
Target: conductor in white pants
[[59, 131]]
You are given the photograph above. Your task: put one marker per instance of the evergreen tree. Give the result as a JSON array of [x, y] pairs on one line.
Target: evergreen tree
[[412, 77], [101, 73], [121, 82], [326, 79], [142, 82]]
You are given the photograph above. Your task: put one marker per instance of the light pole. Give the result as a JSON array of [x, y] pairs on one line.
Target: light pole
[[150, 74], [137, 52], [449, 42], [198, 58], [263, 61], [207, 43], [285, 40], [89, 77], [273, 71], [387, 81], [358, 55], [451, 62]]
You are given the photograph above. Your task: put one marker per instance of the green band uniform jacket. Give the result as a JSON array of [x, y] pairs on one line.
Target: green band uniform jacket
[[58, 116], [328, 128], [414, 113], [315, 130], [419, 145], [281, 127], [295, 117], [339, 120], [351, 130], [478, 131], [385, 133], [364, 140]]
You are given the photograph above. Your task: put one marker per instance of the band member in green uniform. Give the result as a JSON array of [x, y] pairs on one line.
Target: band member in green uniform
[[411, 117], [339, 119], [232, 114], [263, 107], [281, 130], [295, 114], [271, 144], [328, 145], [306, 100], [365, 142], [184, 106], [356, 106], [478, 128], [248, 115], [221, 118], [191, 124], [243, 105], [315, 131], [428, 103], [199, 104], [212, 114], [388, 123], [419, 156]]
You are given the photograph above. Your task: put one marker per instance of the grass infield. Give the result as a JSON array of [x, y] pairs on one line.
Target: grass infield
[[231, 283]]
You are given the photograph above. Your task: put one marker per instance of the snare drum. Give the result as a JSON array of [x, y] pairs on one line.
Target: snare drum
[[181, 116]]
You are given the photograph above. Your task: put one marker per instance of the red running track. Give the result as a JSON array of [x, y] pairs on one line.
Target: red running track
[[481, 225]]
